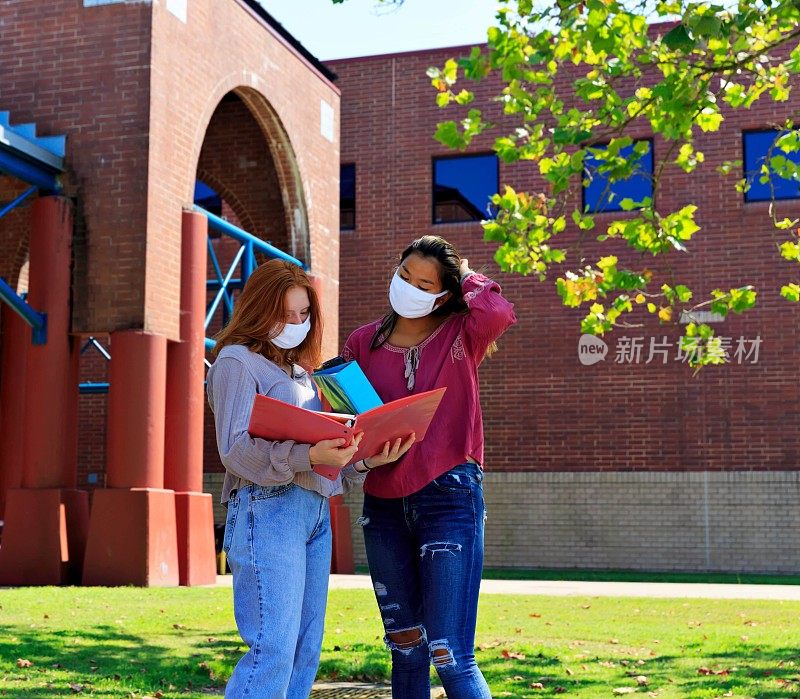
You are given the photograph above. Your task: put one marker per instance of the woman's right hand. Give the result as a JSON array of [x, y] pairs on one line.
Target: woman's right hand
[[331, 452]]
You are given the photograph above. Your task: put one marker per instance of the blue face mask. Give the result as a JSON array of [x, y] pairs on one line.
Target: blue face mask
[[292, 334]]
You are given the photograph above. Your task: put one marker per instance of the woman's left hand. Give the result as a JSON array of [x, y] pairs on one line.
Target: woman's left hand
[[392, 451]]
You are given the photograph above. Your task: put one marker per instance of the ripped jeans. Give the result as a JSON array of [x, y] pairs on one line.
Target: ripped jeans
[[425, 554]]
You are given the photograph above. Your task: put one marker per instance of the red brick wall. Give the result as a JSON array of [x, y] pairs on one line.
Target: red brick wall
[[543, 410], [14, 230], [138, 92], [224, 48], [84, 72]]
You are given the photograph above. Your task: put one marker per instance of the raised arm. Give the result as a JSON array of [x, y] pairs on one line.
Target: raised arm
[[490, 314]]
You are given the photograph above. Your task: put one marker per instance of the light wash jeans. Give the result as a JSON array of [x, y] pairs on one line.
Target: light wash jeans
[[278, 543], [425, 554]]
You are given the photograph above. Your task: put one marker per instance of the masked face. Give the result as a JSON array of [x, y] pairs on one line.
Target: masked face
[[409, 301], [297, 322], [292, 334]]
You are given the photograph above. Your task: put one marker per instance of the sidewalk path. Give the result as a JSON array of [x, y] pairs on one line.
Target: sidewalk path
[[565, 588]]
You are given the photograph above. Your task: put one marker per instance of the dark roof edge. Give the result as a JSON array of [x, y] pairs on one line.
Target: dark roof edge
[[279, 29]]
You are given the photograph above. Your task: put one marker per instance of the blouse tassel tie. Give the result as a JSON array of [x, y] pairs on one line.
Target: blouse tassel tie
[[412, 362]]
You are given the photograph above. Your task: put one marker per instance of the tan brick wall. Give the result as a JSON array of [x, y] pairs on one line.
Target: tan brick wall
[[738, 521]]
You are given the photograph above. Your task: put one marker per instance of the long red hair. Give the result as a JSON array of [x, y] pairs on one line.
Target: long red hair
[[260, 313]]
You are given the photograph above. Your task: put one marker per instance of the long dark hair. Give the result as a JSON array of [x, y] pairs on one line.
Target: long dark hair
[[449, 270]]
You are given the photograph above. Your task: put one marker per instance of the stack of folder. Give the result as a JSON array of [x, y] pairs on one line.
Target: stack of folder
[[348, 390]]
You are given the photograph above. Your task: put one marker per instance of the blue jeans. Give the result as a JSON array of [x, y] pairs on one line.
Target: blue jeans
[[278, 543], [425, 554]]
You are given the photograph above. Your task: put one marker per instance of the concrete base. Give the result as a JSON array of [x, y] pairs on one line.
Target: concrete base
[[44, 536], [692, 521], [132, 538], [194, 514]]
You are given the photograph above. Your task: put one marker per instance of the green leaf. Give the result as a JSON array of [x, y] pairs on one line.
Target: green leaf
[[791, 292], [678, 39]]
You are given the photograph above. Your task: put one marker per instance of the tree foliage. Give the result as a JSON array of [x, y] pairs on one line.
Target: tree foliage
[[577, 79]]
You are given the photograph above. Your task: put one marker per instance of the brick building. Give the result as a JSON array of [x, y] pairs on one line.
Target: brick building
[[623, 463], [149, 98], [619, 464]]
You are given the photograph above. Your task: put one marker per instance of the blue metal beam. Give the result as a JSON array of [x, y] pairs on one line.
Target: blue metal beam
[[214, 284], [221, 225], [27, 171], [37, 321], [14, 204], [223, 290], [92, 388]]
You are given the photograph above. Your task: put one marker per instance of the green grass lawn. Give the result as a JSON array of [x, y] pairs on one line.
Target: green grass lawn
[[130, 642]]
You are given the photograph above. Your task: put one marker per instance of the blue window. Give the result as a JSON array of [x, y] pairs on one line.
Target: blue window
[[600, 195], [463, 187], [756, 145], [347, 197]]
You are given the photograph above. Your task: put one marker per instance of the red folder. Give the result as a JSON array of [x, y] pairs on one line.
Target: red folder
[[278, 421]]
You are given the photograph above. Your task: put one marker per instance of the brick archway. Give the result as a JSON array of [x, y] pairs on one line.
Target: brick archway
[[246, 155]]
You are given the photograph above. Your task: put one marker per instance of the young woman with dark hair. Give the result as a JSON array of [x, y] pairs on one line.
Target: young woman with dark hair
[[423, 515], [277, 532]]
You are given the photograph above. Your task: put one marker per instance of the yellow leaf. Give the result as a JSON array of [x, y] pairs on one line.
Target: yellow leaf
[[665, 314]]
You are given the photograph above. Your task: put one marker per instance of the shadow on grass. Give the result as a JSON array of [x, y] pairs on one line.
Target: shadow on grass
[[107, 662], [769, 673]]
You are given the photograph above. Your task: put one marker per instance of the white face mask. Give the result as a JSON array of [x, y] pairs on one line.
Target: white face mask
[[292, 334], [409, 301]]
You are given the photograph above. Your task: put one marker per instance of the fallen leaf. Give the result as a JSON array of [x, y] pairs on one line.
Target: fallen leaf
[[21, 662], [560, 690], [507, 654], [568, 671], [537, 685], [641, 680], [76, 688], [178, 626]]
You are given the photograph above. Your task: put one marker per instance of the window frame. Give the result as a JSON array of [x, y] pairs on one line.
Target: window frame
[[746, 194], [616, 208], [455, 156], [355, 176]]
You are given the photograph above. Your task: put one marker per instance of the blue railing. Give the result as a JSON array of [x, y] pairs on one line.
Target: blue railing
[[224, 284], [244, 260], [37, 320]]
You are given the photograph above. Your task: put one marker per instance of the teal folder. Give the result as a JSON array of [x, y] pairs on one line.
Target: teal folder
[[347, 389]]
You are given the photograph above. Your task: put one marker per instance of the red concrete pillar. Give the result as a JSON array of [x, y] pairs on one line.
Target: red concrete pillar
[[16, 338], [45, 520], [342, 551], [185, 412], [132, 532]]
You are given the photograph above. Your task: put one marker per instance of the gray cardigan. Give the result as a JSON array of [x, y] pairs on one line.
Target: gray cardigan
[[233, 381]]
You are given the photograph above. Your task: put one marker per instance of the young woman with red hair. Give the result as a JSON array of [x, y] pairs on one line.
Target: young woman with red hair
[[277, 532]]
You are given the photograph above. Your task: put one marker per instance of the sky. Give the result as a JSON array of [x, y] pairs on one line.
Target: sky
[[367, 28]]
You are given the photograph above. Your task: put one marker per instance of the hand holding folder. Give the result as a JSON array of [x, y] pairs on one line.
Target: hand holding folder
[[275, 420]]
